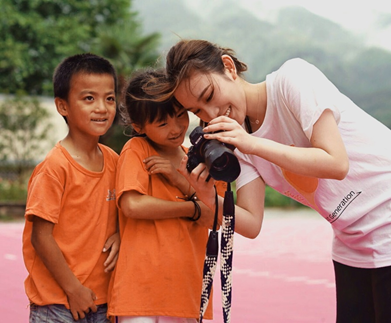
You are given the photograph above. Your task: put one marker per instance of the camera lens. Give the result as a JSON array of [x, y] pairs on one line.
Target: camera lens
[[221, 162]]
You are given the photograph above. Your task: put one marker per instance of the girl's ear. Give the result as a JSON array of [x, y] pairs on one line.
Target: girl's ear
[[229, 65], [137, 128], [61, 106]]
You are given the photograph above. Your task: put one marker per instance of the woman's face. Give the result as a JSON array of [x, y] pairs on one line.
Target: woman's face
[[209, 96]]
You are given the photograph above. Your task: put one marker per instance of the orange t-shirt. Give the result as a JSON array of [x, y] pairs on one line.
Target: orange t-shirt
[[82, 206], [160, 265]]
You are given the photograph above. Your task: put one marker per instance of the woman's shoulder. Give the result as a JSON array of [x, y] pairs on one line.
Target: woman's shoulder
[[298, 69], [295, 74], [295, 63], [294, 67]]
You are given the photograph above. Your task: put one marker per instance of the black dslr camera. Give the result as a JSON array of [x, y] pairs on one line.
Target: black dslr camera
[[219, 158]]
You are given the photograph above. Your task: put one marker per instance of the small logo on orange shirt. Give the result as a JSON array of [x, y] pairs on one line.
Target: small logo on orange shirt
[[305, 185], [110, 195]]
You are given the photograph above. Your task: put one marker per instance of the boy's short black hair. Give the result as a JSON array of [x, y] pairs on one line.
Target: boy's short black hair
[[81, 63]]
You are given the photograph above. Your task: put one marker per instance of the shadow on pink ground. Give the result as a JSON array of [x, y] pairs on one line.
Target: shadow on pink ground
[[283, 276]]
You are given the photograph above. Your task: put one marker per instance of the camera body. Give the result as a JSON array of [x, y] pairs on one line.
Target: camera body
[[219, 158]]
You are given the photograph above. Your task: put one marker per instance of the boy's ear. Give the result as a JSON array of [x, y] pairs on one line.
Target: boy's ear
[[229, 65], [61, 106]]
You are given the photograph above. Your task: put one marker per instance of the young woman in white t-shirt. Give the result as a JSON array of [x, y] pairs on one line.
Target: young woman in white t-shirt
[[298, 134]]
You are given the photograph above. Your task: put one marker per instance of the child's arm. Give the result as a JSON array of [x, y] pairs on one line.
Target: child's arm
[[249, 206], [139, 206], [112, 244], [81, 299], [327, 158]]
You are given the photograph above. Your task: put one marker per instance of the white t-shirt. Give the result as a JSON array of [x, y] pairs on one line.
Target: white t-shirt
[[358, 207]]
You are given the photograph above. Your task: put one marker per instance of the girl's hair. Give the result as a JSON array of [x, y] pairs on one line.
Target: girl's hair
[[188, 56], [138, 107]]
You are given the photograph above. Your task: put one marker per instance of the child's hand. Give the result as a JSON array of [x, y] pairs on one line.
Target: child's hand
[[160, 165], [111, 244], [201, 181], [81, 301], [207, 216]]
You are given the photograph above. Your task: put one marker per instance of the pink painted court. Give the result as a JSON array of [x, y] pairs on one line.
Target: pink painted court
[[285, 275]]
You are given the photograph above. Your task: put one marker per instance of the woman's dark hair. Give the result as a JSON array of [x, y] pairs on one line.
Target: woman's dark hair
[[190, 55]]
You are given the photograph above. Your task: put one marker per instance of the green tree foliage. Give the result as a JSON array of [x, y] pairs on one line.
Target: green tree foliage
[[38, 34], [276, 199], [361, 72], [127, 53], [24, 125], [129, 50]]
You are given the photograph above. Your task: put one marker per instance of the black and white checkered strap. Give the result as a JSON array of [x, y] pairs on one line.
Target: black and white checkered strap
[[226, 257]]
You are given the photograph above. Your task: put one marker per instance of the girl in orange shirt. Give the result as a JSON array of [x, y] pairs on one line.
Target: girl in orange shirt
[[158, 277]]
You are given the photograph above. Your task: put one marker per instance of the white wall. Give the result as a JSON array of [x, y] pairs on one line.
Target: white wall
[[60, 128]]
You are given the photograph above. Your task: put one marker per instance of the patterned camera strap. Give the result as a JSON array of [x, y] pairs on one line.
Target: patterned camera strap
[[226, 256]]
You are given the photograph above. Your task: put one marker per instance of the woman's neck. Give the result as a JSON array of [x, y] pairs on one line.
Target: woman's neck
[[256, 98]]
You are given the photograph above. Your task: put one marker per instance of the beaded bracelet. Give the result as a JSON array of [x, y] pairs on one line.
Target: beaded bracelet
[[192, 197], [197, 209]]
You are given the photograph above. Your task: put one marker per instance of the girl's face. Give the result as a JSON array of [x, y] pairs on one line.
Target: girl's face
[[209, 96], [169, 133]]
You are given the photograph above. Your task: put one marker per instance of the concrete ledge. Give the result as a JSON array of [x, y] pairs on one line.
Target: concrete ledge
[[12, 209]]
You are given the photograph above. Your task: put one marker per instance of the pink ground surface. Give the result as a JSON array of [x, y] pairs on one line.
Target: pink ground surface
[[283, 276]]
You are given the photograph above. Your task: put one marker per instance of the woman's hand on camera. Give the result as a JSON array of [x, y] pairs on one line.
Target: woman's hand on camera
[[201, 181], [229, 131]]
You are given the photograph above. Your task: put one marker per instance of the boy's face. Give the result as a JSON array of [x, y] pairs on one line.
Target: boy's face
[[91, 107]]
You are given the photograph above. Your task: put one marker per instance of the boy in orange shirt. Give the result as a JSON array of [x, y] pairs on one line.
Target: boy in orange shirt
[[70, 239]]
